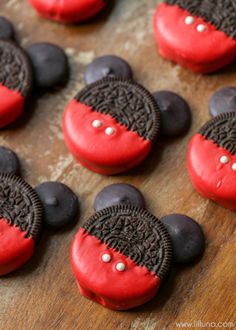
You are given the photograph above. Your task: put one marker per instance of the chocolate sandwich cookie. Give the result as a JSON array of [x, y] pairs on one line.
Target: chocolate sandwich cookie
[[189, 32], [61, 206], [6, 29], [120, 257], [9, 161], [15, 81], [107, 66], [222, 101], [50, 64], [175, 113], [69, 11], [212, 160], [110, 126], [20, 222], [187, 237], [118, 193]]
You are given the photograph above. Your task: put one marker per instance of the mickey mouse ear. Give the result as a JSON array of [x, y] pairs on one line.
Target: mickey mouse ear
[[175, 113], [50, 64], [222, 101], [6, 29], [187, 237], [61, 205], [9, 161], [118, 193]]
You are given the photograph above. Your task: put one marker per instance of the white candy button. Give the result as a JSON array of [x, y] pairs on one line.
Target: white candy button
[[201, 28], [96, 123], [106, 257], [189, 20], [109, 131], [224, 159], [120, 267], [234, 167]]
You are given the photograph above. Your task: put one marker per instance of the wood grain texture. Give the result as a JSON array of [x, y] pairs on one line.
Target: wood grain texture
[[43, 294]]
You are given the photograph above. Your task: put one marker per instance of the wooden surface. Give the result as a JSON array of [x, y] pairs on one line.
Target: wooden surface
[[43, 294]]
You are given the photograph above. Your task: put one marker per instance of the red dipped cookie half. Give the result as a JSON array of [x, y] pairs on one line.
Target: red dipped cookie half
[[68, 11], [110, 125], [120, 256], [212, 160], [197, 34], [15, 81], [20, 222]]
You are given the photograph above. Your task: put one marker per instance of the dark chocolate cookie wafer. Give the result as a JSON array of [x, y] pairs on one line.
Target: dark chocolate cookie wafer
[[110, 125], [212, 160], [127, 252], [222, 101], [9, 161], [20, 222], [15, 81]]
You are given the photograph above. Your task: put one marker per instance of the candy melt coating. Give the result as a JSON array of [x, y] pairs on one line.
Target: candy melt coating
[[199, 49], [102, 282], [69, 11], [15, 248], [93, 148], [212, 178]]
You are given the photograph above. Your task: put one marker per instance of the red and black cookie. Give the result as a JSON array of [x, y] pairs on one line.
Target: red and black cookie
[[69, 11], [120, 257], [20, 222], [15, 81], [110, 126], [212, 160], [198, 34]]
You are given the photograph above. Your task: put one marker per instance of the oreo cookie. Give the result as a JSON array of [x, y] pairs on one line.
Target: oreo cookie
[[20, 222], [120, 257], [107, 66], [189, 32], [111, 125], [15, 81], [69, 11], [212, 160]]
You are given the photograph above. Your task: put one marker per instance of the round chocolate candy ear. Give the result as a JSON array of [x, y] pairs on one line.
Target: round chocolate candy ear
[[61, 205], [187, 237], [9, 161], [222, 101], [118, 193], [175, 113], [107, 66], [50, 64], [6, 29]]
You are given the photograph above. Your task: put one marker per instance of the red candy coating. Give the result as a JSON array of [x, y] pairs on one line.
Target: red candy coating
[[210, 177], [11, 106], [199, 51], [68, 11], [101, 282], [94, 149], [15, 249]]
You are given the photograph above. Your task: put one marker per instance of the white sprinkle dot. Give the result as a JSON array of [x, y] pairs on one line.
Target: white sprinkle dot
[[201, 28], [109, 131], [96, 123], [234, 167], [189, 20], [120, 267], [224, 159], [106, 257]]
